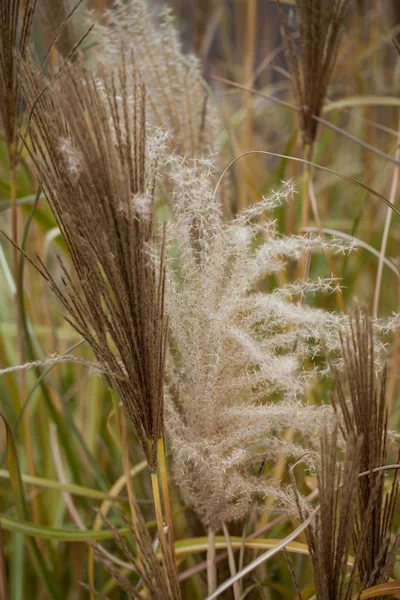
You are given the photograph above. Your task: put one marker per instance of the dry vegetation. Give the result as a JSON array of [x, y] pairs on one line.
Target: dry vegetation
[[199, 330]]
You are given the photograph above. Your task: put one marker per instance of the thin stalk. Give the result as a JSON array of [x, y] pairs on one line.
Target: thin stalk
[[28, 435], [305, 208], [158, 511], [3, 570], [231, 562], [14, 206], [211, 562], [160, 526], [249, 58], [127, 471], [392, 198], [162, 465]]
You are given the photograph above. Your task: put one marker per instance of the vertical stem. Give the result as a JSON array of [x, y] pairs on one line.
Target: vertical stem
[[392, 198], [3, 570], [20, 335], [127, 470], [158, 510], [160, 525], [249, 59], [165, 490], [231, 562], [305, 209], [211, 562]]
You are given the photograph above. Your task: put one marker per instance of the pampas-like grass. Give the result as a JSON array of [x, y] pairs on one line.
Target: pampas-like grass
[[178, 101], [97, 165], [235, 369]]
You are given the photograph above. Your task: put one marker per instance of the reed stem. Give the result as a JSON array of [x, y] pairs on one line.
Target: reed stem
[[27, 426], [158, 510], [211, 562], [162, 465]]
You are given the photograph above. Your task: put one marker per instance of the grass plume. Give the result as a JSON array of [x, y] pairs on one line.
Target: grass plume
[[329, 537], [365, 417], [312, 55], [178, 100], [97, 164], [235, 366]]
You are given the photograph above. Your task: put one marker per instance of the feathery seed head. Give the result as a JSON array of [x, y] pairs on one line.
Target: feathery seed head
[[177, 100], [235, 366]]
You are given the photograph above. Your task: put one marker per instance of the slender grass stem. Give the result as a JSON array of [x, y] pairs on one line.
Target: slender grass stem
[[158, 510], [211, 562], [392, 198], [28, 435], [231, 562], [165, 491]]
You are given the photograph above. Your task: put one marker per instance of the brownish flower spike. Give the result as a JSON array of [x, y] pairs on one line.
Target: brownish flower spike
[[312, 56], [97, 165], [365, 416]]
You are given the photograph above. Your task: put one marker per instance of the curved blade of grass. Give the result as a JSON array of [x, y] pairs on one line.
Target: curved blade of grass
[[26, 200], [312, 164], [77, 490], [58, 534], [392, 588], [354, 101], [199, 544], [42, 570], [324, 122]]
